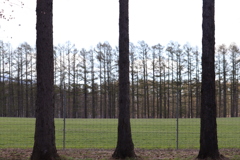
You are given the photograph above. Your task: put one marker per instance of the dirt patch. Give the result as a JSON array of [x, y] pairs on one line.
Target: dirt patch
[[103, 154]]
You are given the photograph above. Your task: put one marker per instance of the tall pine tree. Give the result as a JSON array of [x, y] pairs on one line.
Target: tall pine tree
[[125, 146], [208, 133], [44, 139]]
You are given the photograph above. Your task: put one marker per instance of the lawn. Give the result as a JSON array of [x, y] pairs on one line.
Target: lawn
[[102, 133]]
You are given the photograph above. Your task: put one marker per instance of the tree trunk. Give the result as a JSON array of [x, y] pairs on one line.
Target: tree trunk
[[74, 89], [224, 87], [197, 85], [138, 103], [132, 55], [27, 49], [32, 96], [93, 84], [208, 134], [125, 146], [44, 139], [84, 54], [153, 86]]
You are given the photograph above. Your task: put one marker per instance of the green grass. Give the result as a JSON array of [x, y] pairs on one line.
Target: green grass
[[102, 133]]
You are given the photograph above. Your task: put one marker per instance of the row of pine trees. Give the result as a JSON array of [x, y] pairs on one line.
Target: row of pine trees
[[165, 81]]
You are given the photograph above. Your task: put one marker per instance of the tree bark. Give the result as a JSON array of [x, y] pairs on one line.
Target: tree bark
[[125, 146], [208, 134], [44, 139]]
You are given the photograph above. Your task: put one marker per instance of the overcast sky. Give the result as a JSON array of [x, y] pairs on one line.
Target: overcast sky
[[88, 22]]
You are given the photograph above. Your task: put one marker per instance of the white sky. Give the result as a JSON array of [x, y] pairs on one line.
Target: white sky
[[88, 22]]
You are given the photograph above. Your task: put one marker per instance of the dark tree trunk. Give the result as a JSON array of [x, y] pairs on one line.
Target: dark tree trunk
[[84, 54], [138, 103], [93, 85], [44, 139], [32, 96], [74, 98], [132, 55], [100, 87], [224, 87], [27, 51], [104, 82], [153, 85], [125, 146], [197, 85], [208, 134]]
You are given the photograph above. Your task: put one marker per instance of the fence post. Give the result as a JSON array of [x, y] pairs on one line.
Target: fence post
[[64, 117], [177, 113]]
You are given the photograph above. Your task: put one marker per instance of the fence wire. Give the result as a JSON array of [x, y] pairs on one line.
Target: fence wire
[[102, 133]]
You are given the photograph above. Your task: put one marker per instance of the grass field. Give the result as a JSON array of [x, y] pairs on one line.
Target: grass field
[[102, 133]]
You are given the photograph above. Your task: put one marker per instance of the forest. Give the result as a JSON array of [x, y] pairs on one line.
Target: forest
[[165, 81], [128, 81]]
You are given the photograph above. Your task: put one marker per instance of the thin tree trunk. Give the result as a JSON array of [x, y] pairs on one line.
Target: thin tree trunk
[[197, 86], [101, 87], [132, 81], [153, 85], [161, 84], [93, 84], [31, 89], [26, 80], [224, 87], [138, 105], [84, 54], [2, 80]]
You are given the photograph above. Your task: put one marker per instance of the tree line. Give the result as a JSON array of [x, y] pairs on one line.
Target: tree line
[[163, 80]]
